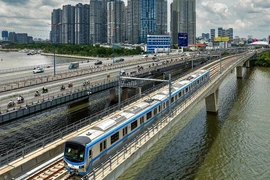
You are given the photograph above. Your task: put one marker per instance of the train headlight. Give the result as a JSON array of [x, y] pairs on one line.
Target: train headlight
[[81, 167]]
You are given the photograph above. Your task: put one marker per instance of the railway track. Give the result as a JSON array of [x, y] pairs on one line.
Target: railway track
[[56, 170]]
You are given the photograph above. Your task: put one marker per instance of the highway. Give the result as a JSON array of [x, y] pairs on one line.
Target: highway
[[77, 81]]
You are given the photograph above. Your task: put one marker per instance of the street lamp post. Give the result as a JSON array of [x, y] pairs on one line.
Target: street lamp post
[[54, 60], [219, 61], [54, 46]]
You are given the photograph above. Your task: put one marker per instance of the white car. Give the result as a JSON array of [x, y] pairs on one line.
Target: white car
[[38, 70]]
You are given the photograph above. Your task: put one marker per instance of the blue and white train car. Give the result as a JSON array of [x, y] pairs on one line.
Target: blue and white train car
[[90, 147]]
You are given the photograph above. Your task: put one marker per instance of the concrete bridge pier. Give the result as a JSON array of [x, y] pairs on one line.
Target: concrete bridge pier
[[247, 64], [112, 93], [139, 91], [211, 102], [239, 71], [124, 93]]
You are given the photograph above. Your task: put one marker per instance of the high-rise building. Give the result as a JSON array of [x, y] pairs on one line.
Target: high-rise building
[[68, 24], [212, 34], [207, 36], [183, 19], [81, 24], [230, 34], [161, 17], [153, 18], [4, 35], [22, 37], [116, 22], [220, 32], [133, 21], [56, 26], [98, 21], [12, 37]]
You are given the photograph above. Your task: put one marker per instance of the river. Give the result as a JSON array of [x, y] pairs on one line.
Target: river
[[11, 60], [234, 144]]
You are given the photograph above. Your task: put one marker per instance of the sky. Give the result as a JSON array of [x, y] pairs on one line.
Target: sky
[[246, 17]]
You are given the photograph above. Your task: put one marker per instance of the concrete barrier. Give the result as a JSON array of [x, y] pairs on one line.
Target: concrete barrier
[[23, 165]]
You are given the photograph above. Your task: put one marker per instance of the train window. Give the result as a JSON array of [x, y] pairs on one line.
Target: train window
[[164, 105], [159, 108], [167, 103], [114, 137], [142, 120], [198, 82], [180, 94], [74, 152], [101, 146], [105, 144], [90, 153], [134, 125], [124, 131], [186, 89], [148, 115], [172, 99], [155, 111]]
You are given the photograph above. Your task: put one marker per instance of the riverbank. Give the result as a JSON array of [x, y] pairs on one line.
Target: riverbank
[[263, 59], [9, 50], [69, 56]]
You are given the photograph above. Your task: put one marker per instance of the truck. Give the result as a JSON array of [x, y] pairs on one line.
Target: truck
[[73, 65]]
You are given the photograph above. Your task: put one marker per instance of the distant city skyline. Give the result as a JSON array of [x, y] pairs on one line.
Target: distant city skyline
[[246, 17]]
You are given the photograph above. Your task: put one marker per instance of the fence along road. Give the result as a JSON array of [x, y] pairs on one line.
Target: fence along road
[[115, 165]]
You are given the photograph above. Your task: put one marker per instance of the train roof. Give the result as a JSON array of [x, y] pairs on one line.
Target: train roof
[[106, 127], [82, 140]]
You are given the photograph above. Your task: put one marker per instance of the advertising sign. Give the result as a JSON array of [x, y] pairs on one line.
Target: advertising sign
[[182, 39], [221, 39]]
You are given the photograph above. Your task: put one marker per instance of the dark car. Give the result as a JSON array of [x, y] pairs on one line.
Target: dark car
[[98, 62]]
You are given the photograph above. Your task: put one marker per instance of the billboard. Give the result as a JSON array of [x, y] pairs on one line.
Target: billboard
[[221, 39], [182, 39]]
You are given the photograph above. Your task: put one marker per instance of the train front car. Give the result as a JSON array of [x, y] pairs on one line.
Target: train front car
[[75, 155]]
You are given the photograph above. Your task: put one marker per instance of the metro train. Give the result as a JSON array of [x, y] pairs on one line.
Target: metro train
[[82, 152]]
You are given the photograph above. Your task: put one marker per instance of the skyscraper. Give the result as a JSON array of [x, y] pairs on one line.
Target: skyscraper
[[98, 21], [4, 35], [81, 24], [161, 17], [56, 26], [133, 21], [212, 34], [116, 21], [220, 32], [68, 24], [183, 19]]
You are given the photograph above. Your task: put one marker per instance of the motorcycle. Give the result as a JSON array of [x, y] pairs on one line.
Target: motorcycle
[[62, 88], [11, 104], [20, 100], [70, 85], [44, 90], [86, 83], [37, 94]]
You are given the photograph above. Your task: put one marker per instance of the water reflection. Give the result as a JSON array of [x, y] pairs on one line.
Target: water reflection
[[232, 145]]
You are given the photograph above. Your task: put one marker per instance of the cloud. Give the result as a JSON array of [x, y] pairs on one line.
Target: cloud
[[244, 16]]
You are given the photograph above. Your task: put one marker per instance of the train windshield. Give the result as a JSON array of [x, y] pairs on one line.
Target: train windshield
[[74, 152]]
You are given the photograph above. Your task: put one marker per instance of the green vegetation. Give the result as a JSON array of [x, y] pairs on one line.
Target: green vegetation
[[263, 59], [225, 53], [77, 50]]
